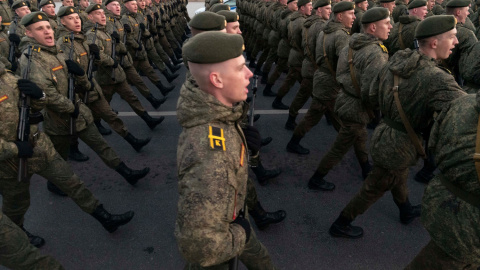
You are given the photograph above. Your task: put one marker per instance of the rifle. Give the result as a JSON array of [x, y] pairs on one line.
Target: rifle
[[90, 64], [71, 86], [114, 56], [23, 132], [11, 30], [254, 92], [139, 40], [122, 57]]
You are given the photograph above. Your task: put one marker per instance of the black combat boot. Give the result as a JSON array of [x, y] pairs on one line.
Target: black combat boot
[[264, 175], [75, 154], [164, 89], [294, 146], [152, 122], [366, 168], [169, 76], [263, 218], [266, 141], [277, 104], [137, 144], [132, 176], [426, 173], [55, 190], [317, 182], [291, 124], [173, 68], [104, 131], [408, 212], [264, 79], [111, 222], [155, 101], [342, 228], [35, 240], [267, 91]]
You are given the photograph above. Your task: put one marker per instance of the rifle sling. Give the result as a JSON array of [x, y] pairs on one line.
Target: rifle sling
[[328, 61], [400, 39], [411, 133], [460, 193], [309, 53]]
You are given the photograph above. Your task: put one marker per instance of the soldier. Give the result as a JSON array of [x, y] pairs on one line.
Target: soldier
[[70, 22], [360, 7], [400, 9], [48, 7], [42, 159], [208, 233], [403, 32], [117, 83], [329, 43], [21, 9], [410, 89], [450, 202], [390, 5], [67, 3], [5, 48], [438, 8], [6, 14], [233, 26], [365, 55], [82, 5], [51, 71]]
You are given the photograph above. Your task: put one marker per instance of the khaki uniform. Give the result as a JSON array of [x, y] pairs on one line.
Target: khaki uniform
[[51, 75], [273, 36], [283, 46], [206, 237], [424, 89], [6, 14]]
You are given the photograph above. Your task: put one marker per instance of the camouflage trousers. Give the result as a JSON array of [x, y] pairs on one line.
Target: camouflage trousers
[[302, 96], [102, 110], [16, 252], [314, 114], [16, 195], [433, 257], [145, 67], [126, 93], [251, 199], [349, 135], [294, 74], [91, 137], [134, 79], [282, 65], [378, 182], [254, 256]]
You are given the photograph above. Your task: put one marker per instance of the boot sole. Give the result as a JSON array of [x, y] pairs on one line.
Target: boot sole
[[112, 229], [341, 235]]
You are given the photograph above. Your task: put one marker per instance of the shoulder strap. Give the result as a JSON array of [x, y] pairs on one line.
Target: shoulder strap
[[411, 133], [309, 53], [353, 76], [334, 74], [400, 38]]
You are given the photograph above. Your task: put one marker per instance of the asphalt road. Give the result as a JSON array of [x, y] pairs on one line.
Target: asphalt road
[[300, 242]]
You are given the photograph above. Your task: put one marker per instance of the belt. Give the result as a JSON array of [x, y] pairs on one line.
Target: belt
[[395, 125], [460, 193]]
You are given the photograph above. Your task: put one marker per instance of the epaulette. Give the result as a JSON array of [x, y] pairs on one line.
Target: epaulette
[[93, 29], [66, 39], [111, 19], [384, 49], [445, 69], [346, 31], [36, 49]]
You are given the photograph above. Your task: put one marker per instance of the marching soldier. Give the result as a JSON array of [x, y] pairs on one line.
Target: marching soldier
[[360, 7], [48, 7], [6, 14], [400, 9]]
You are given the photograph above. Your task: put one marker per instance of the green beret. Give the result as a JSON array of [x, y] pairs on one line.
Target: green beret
[[343, 6], [435, 25], [290, 1], [208, 21], [212, 47], [386, 1], [458, 3], [19, 4], [322, 3], [375, 14], [65, 11], [213, 2], [359, 1], [417, 4], [93, 8], [47, 2], [230, 16], [217, 7], [303, 2], [110, 1], [125, 1], [33, 17]]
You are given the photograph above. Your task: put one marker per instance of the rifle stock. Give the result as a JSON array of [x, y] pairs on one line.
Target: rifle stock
[[71, 86]]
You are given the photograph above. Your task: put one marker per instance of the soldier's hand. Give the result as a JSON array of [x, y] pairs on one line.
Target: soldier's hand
[[116, 36], [150, 18], [142, 26], [14, 66], [25, 149], [127, 28], [245, 225], [76, 112], [14, 38], [156, 15], [254, 140], [94, 50], [29, 88], [74, 68]]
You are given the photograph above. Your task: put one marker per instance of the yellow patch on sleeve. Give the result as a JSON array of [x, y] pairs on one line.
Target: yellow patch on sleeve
[[108, 39], [242, 155], [57, 68], [217, 140], [385, 50], [83, 54], [5, 97]]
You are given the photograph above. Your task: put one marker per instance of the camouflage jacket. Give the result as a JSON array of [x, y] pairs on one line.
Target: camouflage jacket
[[409, 23], [399, 10], [6, 14], [115, 25], [424, 88], [466, 40], [451, 222], [438, 9], [212, 173], [274, 36], [295, 26], [470, 67], [132, 37], [284, 46], [105, 65], [335, 37], [369, 57], [357, 23], [312, 26], [53, 23], [49, 71]]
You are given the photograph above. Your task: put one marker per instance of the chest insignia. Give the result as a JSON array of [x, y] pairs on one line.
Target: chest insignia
[[217, 140], [385, 50], [5, 97], [242, 155]]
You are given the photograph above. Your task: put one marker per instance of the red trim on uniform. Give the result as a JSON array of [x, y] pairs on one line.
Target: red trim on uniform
[[3, 98], [57, 68]]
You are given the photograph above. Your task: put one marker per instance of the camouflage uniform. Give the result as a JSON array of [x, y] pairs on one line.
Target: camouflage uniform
[[438, 9], [6, 14], [369, 57], [51, 76], [451, 221], [424, 89], [408, 24], [325, 86], [357, 23], [399, 10], [54, 24], [206, 237], [466, 40]]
